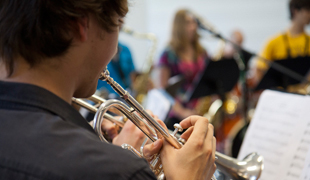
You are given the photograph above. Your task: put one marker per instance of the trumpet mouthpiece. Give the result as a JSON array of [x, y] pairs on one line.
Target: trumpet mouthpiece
[[104, 75]]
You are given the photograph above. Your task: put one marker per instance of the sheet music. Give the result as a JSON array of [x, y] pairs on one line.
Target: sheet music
[[280, 132], [159, 103]]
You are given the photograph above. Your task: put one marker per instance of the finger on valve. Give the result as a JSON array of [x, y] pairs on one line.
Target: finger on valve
[[199, 130], [195, 160]]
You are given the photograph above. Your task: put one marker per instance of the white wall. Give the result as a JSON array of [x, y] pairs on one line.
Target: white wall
[[257, 19], [136, 19]]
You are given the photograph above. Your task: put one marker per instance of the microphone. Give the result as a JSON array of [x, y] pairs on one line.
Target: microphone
[[204, 25], [207, 27]]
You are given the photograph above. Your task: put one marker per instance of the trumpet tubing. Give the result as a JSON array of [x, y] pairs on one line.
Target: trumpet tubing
[[94, 109]]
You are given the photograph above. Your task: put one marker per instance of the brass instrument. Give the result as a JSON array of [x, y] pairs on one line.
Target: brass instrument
[[140, 83], [228, 168]]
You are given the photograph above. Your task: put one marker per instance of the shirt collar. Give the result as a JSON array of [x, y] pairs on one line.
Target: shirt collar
[[24, 96]]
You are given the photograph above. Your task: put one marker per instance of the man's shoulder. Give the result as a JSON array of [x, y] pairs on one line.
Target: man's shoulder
[[63, 149], [275, 39]]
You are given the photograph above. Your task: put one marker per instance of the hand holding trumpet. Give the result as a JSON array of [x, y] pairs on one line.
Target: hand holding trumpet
[[195, 160]]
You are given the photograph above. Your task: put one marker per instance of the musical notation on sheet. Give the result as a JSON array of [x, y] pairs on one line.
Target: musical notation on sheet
[[280, 132]]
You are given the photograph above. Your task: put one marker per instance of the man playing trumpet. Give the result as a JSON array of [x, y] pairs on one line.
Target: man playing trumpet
[[51, 51]]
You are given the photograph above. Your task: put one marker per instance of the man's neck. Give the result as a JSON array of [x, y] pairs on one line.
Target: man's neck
[[296, 28], [41, 76]]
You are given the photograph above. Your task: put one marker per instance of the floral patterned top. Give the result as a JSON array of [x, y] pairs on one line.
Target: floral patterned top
[[189, 70]]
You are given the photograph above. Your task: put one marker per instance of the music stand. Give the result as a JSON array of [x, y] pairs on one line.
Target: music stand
[[174, 83], [274, 78], [218, 77]]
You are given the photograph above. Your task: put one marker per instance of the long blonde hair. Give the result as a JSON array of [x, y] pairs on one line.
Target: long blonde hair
[[178, 36]]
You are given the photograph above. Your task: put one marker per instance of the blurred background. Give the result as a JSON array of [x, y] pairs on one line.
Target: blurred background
[[257, 19]]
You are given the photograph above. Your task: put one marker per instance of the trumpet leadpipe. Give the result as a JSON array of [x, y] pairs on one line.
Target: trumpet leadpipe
[[92, 108]]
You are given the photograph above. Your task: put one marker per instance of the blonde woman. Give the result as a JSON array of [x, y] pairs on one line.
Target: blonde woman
[[184, 56]]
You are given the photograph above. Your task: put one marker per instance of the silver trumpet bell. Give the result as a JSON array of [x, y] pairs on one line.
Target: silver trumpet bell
[[250, 168]]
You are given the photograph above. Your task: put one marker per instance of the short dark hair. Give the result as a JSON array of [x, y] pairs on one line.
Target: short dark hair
[[298, 4], [37, 29]]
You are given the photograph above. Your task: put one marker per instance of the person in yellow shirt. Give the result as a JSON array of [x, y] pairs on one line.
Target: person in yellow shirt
[[292, 43]]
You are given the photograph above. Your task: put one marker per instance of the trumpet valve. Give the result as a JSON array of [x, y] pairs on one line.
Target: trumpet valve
[[177, 128]]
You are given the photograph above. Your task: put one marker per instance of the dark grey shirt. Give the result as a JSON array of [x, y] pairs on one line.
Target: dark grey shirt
[[43, 137]]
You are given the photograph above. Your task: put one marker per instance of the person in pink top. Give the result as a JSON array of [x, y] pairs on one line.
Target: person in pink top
[[184, 56]]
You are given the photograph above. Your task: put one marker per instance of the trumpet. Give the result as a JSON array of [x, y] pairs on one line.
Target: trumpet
[[227, 168]]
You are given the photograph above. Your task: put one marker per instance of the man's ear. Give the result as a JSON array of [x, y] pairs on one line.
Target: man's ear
[[83, 27]]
